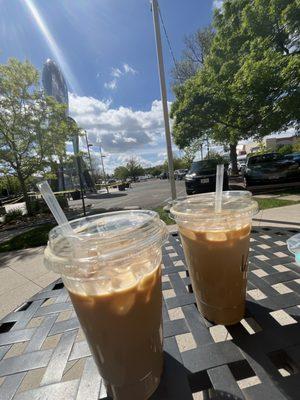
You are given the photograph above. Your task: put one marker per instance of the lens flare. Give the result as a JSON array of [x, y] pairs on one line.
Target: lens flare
[[56, 52]]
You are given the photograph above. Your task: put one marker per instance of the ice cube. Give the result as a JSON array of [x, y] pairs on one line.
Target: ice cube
[[122, 301], [216, 236], [123, 280]]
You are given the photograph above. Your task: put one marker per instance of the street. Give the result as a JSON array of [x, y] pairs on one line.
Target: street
[[147, 194]]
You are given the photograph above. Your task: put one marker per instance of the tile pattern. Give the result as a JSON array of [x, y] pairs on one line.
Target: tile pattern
[[43, 353]]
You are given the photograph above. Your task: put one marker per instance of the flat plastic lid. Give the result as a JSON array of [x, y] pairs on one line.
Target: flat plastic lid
[[200, 208]]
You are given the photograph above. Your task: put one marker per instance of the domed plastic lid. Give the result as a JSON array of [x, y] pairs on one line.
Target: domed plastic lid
[[104, 237], [200, 209]]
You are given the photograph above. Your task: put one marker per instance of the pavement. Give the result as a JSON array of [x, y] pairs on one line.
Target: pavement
[[146, 194], [22, 274]]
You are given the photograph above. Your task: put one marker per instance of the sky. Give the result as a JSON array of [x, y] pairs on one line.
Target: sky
[[106, 51]]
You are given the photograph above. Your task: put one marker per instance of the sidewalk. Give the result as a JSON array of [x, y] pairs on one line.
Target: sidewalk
[[288, 216], [22, 273]]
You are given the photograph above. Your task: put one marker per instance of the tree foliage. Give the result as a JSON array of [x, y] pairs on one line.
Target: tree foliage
[[131, 170], [249, 84], [33, 127]]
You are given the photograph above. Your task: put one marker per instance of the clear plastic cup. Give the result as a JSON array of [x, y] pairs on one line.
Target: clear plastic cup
[[111, 267], [216, 247], [293, 244]]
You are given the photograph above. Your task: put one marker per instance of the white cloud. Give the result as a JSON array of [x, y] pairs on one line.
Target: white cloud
[[112, 85], [117, 73], [217, 3], [129, 70], [123, 131]]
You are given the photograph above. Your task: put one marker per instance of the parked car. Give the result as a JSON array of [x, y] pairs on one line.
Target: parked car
[[271, 168], [142, 178], [201, 178], [164, 175], [293, 156], [179, 174]]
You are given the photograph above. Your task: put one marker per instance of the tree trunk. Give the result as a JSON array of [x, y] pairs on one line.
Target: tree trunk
[[233, 159], [24, 192]]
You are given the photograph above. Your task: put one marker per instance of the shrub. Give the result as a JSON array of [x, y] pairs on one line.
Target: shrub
[[39, 205], [13, 215]]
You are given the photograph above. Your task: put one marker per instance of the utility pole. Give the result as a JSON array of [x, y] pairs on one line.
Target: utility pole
[[88, 145], [163, 90], [78, 160], [89, 154], [103, 170]]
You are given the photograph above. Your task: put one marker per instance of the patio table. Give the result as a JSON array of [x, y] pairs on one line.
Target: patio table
[[44, 355]]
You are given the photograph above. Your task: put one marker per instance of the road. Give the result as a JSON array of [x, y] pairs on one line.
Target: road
[[147, 194]]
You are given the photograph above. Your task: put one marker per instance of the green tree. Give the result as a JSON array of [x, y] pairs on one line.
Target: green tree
[[32, 125], [134, 168], [178, 163], [285, 149], [217, 156], [190, 152], [155, 171], [296, 146], [121, 173], [249, 84]]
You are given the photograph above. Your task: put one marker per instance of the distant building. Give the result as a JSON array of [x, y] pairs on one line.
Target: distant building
[[273, 143], [54, 82]]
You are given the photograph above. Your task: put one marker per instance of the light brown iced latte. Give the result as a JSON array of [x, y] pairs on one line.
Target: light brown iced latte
[[111, 268], [216, 248]]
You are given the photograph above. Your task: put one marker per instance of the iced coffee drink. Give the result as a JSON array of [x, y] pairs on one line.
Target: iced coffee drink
[[216, 248], [113, 274]]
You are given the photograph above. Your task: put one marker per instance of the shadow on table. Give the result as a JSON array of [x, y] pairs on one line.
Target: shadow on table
[[178, 383], [273, 354]]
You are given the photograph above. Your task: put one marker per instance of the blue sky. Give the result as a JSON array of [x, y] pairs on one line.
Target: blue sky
[[106, 51]]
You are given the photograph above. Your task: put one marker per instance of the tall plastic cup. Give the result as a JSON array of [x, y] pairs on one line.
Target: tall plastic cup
[[111, 267], [216, 247]]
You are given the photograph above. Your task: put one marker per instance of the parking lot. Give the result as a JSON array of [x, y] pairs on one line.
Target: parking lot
[[147, 194]]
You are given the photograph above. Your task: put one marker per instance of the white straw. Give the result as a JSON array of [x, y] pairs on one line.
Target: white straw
[[219, 188], [54, 206]]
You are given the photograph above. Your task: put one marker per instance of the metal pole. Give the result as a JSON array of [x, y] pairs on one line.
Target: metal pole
[[163, 90], [101, 156], [89, 154], [90, 160], [80, 182]]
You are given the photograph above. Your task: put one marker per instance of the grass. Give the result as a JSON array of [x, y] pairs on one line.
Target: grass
[[164, 215], [33, 238], [289, 192], [272, 203]]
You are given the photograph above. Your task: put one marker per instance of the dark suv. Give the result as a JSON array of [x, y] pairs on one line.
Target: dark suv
[[271, 168], [201, 177]]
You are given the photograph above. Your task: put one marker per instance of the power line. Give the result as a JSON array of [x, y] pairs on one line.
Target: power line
[[167, 37]]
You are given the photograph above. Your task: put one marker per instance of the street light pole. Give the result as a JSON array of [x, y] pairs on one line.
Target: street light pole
[[163, 90], [88, 145], [89, 154], [102, 162]]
